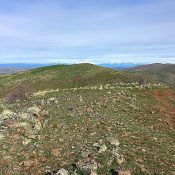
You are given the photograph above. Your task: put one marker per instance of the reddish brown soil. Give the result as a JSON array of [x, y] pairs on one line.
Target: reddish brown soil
[[166, 97]]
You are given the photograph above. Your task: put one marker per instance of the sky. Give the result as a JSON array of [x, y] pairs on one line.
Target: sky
[[94, 31]]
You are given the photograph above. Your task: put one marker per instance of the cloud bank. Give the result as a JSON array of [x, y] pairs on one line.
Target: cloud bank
[[99, 31]]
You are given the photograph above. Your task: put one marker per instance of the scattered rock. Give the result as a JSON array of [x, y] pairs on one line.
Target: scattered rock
[[115, 152], [81, 99], [96, 145], [26, 141], [62, 171], [32, 136], [1, 136], [27, 163], [113, 141], [24, 115], [38, 121], [7, 114], [61, 140], [34, 110], [52, 100], [102, 148], [120, 159]]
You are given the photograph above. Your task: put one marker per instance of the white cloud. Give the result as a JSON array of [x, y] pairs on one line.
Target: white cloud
[[63, 30]]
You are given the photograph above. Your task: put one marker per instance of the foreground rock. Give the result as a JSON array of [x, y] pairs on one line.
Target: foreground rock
[[61, 171]]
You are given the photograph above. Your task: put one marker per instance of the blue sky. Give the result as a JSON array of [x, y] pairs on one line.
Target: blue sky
[[96, 31]]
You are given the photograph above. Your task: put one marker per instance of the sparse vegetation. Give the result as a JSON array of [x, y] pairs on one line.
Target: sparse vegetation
[[164, 73], [97, 125], [21, 92]]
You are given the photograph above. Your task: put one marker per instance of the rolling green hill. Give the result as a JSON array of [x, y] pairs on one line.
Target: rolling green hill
[[64, 76], [161, 72], [86, 120]]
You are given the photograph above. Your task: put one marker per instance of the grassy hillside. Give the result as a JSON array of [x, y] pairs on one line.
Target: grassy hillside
[[161, 72], [64, 76], [83, 119]]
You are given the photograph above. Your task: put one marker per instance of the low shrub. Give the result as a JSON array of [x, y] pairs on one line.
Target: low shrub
[[19, 93]]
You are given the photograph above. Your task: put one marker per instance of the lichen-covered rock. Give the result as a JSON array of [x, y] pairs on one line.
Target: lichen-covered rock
[[7, 114], [34, 110], [62, 171], [1, 136], [102, 148]]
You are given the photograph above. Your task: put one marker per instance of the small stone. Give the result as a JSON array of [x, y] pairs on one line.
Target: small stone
[[27, 163], [113, 141], [61, 140], [115, 152], [31, 136], [38, 124], [26, 141], [120, 159], [143, 169], [103, 148], [62, 171], [81, 99], [144, 150], [1, 136], [96, 145]]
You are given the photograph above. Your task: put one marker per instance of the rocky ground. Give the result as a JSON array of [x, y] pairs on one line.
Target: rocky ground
[[111, 129]]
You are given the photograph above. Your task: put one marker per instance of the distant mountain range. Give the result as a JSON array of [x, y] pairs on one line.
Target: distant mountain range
[[21, 65], [119, 66]]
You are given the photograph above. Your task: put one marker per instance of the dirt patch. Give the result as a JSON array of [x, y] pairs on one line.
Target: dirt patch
[[166, 98]]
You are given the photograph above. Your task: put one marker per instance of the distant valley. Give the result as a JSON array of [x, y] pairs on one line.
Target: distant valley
[[17, 67]]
